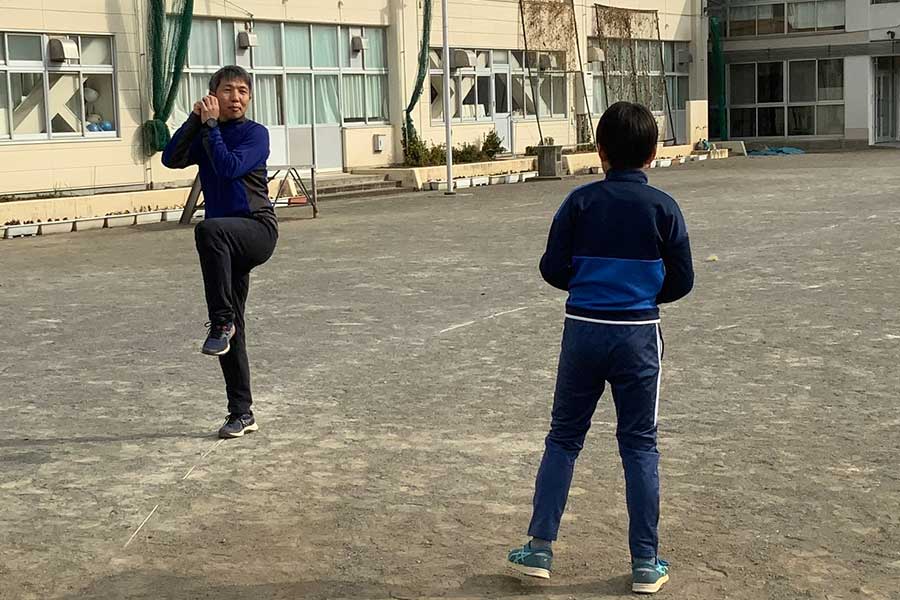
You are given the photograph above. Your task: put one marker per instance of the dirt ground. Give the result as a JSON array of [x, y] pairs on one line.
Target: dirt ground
[[404, 353]]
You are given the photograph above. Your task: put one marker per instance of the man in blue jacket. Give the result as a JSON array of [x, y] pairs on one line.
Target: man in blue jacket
[[240, 229], [619, 248]]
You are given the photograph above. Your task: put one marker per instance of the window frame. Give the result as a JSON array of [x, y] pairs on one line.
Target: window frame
[[786, 31], [47, 69]]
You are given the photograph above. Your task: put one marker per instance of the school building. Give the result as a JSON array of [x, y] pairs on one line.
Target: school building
[[808, 71], [332, 79]]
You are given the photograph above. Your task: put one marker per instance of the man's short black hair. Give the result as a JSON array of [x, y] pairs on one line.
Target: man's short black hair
[[229, 73], [628, 134]]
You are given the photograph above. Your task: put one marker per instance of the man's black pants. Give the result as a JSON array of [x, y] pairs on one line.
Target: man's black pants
[[229, 248]]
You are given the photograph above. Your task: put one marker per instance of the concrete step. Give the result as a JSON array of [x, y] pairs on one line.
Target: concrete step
[[345, 187], [368, 193], [340, 180]]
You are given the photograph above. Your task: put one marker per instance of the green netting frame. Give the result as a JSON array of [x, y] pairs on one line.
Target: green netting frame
[[167, 44], [410, 136]]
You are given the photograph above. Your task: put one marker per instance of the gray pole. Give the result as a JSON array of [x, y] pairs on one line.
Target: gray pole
[[447, 108]]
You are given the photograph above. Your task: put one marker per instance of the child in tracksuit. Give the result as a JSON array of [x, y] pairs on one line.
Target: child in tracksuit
[[620, 248]]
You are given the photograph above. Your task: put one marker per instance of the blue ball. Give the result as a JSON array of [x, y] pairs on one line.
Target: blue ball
[[106, 126], [93, 127]]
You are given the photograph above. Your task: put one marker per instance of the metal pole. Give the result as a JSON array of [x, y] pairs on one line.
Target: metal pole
[[447, 108]]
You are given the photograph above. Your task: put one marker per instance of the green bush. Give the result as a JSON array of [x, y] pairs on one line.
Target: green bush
[[492, 145]]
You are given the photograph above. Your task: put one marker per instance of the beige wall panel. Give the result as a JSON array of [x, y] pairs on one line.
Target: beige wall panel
[[359, 147]]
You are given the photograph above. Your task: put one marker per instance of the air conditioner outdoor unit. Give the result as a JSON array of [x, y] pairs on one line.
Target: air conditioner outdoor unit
[[683, 57], [247, 39], [462, 59], [63, 49], [358, 44]]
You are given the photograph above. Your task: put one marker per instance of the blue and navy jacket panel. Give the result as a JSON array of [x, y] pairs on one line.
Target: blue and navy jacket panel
[[620, 248], [232, 165]]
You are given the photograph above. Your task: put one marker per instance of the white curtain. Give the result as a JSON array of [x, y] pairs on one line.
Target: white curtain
[[266, 100], [802, 16], [327, 108], [325, 46], [354, 98], [299, 100], [268, 51], [377, 97], [375, 55], [203, 50], [831, 14], [296, 45], [95, 51]]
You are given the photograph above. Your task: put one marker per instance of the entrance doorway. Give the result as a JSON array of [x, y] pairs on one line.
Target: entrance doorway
[[887, 80]]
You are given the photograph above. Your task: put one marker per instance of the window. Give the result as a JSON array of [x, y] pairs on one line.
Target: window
[[498, 82], [299, 99], [803, 81], [743, 84], [812, 104], [801, 17], [326, 98], [376, 55], [831, 79], [203, 48], [325, 46], [355, 98], [303, 74], [742, 21], [42, 99], [267, 52], [770, 80], [296, 46], [787, 16], [377, 106], [266, 103]]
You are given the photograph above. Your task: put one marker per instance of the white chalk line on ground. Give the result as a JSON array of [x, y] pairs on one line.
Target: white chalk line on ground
[[493, 316], [186, 475], [141, 526]]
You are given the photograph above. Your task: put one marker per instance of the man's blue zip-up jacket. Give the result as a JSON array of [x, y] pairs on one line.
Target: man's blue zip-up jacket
[[620, 248], [232, 161]]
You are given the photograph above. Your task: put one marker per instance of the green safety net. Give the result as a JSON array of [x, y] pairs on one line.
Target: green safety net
[[717, 81], [167, 42], [410, 137]]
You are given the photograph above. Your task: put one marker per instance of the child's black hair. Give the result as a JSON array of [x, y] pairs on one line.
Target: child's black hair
[[628, 134]]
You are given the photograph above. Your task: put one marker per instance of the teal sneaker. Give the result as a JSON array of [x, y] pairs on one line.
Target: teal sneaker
[[648, 575], [531, 561]]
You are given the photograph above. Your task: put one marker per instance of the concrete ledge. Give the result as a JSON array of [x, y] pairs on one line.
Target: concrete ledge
[[584, 163], [735, 148], [81, 207], [418, 177]]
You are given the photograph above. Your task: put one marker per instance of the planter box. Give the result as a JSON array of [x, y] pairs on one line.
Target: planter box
[[596, 170], [13, 231], [200, 214], [498, 179], [463, 183], [681, 160], [56, 227], [666, 162], [528, 175], [120, 220], [147, 218], [87, 224], [172, 216], [480, 180], [513, 178]]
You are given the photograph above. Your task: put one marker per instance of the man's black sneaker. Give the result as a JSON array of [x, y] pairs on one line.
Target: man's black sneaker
[[237, 425], [218, 342]]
